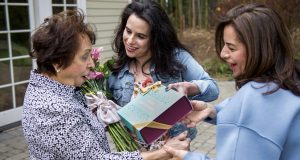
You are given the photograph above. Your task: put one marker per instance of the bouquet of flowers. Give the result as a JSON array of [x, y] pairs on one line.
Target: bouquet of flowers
[[96, 95]]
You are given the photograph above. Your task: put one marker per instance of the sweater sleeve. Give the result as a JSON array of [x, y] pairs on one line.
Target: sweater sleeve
[[217, 108], [195, 156]]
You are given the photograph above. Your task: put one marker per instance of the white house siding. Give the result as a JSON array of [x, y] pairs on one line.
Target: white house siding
[[105, 15]]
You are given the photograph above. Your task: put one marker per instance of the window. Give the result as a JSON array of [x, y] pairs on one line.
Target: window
[[62, 5], [15, 64], [18, 19]]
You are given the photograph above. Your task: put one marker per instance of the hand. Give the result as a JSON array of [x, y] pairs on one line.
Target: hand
[[178, 154], [179, 142], [201, 110], [186, 88]]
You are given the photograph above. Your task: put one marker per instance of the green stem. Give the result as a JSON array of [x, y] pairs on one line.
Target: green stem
[[130, 141], [115, 139], [122, 138]]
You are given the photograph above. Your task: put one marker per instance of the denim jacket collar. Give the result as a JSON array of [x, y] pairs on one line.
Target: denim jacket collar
[[123, 70]]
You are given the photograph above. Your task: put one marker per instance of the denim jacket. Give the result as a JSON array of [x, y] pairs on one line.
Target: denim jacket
[[121, 84]]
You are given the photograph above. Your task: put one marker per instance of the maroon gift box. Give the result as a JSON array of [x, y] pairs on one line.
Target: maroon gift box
[[150, 115]]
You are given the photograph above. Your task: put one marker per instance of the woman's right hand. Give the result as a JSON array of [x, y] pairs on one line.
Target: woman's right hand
[[178, 154], [179, 142], [185, 88], [201, 110]]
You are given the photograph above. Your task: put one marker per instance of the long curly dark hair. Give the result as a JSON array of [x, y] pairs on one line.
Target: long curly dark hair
[[163, 39], [270, 55]]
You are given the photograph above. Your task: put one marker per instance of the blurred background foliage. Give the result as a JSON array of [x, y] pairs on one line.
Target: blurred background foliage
[[195, 21]]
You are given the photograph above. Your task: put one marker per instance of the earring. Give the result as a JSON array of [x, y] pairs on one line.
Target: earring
[[57, 70]]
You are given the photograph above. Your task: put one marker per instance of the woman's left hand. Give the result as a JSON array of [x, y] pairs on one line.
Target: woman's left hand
[[201, 110], [186, 88]]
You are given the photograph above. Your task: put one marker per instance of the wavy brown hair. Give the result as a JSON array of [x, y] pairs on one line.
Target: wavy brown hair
[[270, 55], [57, 40]]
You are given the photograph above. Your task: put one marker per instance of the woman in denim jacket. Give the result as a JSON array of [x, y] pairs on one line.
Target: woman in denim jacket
[[148, 49]]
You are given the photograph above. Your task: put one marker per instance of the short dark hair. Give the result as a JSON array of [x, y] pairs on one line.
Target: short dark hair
[[270, 55], [57, 39]]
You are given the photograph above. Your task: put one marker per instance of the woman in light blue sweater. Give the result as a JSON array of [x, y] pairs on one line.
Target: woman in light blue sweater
[[262, 120]]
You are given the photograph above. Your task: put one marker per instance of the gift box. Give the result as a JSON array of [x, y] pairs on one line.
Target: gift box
[[151, 114]]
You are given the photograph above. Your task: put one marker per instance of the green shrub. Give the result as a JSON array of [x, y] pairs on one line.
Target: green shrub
[[218, 69]]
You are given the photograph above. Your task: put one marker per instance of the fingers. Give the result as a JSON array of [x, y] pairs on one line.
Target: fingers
[[185, 120], [175, 152], [179, 142], [188, 122], [180, 87], [172, 86], [179, 145], [182, 136], [197, 116], [191, 125], [201, 111], [169, 150], [199, 105]]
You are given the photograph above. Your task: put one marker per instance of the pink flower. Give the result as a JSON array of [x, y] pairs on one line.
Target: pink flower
[[96, 53], [95, 75]]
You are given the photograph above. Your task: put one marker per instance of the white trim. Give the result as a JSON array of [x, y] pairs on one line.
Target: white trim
[[65, 6], [16, 31], [11, 67], [34, 64], [31, 18], [14, 114], [13, 58], [11, 116], [17, 4], [13, 84], [82, 5], [42, 10]]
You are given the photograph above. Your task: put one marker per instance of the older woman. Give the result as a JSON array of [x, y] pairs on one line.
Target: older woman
[[57, 123]]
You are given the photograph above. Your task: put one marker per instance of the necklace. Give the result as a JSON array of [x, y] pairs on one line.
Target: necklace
[[140, 70], [141, 79], [139, 75]]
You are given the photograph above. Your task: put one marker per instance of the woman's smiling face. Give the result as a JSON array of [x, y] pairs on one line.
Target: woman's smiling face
[[136, 38], [233, 52]]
